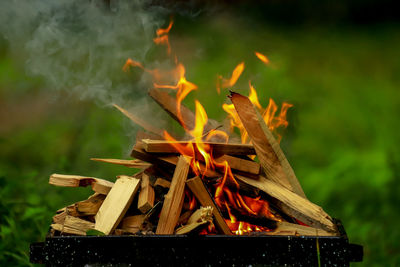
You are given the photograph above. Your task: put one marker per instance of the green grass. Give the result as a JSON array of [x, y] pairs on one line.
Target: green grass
[[342, 140]]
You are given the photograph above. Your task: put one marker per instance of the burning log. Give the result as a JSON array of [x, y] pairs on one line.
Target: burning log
[[98, 185], [292, 204], [162, 146], [272, 159], [116, 203], [203, 196], [173, 201], [146, 195]]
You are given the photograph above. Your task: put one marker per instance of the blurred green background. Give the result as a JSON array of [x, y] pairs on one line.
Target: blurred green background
[[342, 140]]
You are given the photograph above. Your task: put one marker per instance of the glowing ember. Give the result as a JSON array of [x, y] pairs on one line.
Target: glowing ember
[[262, 57]]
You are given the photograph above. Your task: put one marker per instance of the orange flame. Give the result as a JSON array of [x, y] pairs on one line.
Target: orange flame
[[262, 57], [162, 37]]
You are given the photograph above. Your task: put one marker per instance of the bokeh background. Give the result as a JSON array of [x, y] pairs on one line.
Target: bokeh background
[[338, 63]]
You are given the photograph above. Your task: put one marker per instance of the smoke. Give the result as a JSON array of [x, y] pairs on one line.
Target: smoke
[[81, 45]]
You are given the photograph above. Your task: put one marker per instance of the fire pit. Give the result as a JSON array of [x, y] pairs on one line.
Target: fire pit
[[201, 198]]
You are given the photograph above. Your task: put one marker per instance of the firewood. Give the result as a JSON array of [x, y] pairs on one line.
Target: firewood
[[140, 121], [285, 228], [146, 194], [173, 201], [270, 155], [63, 229], [166, 161], [239, 164], [203, 196], [135, 163], [91, 205], [163, 146], [162, 182], [200, 217], [116, 203], [73, 225], [132, 224], [292, 204], [168, 103], [59, 218], [98, 185]]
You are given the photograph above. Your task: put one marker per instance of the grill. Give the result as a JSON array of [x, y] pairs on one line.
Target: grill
[[182, 250]]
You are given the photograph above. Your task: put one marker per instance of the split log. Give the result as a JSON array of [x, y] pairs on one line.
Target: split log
[[199, 218], [91, 205], [270, 155], [163, 146], [203, 196], [285, 228], [239, 164], [59, 218], [168, 103], [135, 163], [173, 201], [132, 224], [116, 203], [140, 121], [63, 229], [292, 204], [98, 185], [146, 194]]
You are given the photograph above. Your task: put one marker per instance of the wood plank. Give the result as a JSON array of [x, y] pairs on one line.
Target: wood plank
[[239, 164], [270, 155], [203, 196], [98, 185], [146, 194], [130, 163], [116, 203], [173, 200], [292, 204], [139, 121], [168, 103], [163, 146], [285, 228]]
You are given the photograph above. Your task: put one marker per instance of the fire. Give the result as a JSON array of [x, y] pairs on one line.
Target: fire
[[227, 190], [262, 57]]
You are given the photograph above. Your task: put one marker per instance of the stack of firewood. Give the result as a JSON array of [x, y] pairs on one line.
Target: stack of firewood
[[167, 196]]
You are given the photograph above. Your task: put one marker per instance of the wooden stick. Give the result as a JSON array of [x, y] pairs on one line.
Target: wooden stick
[[168, 103], [163, 146], [292, 204], [73, 225], [285, 228], [98, 185], [239, 164], [146, 194], [162, 182], [203, 196], [173, 200], [135, 163], [132, 224], [116, 203], [140, 122], [200, 217], [272, 159]]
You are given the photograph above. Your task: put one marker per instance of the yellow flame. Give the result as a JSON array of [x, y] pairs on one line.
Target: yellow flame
[[262, 57]]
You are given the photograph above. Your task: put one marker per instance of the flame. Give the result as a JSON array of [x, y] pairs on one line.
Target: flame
[[226, 83], [162, 37], [262, 57]]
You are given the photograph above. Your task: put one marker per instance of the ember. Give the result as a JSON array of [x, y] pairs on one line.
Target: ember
[[201, 183]]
